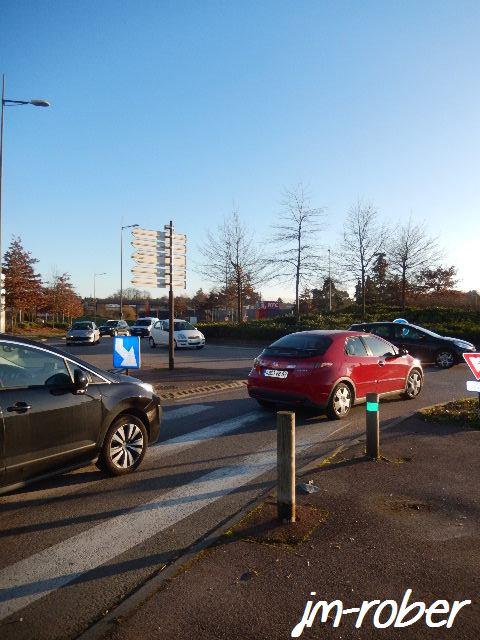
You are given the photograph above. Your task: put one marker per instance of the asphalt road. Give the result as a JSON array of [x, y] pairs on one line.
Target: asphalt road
[[214, 356], [75, 546]]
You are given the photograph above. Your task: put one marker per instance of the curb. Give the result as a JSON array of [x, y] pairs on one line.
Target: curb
[[203, 390], [153, 584]]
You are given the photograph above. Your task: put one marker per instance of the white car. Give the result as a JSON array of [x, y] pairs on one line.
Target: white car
[[83, 331], [185, 334], [142, 327]]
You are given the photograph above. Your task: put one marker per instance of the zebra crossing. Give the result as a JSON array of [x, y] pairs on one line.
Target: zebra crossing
[[42, 573]]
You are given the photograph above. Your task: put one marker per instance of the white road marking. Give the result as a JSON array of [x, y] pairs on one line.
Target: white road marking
[[192, 438], [184, 412], [173, 445], [30, 579]]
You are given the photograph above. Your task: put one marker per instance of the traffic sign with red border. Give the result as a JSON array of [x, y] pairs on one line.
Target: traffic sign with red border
[[473, 361]]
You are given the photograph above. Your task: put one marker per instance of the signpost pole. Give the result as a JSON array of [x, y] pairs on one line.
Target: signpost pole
[[171, 302]]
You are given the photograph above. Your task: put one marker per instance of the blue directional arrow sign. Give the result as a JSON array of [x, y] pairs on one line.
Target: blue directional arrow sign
[[126, 352]]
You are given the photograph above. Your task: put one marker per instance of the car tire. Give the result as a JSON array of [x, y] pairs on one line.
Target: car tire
[[444, 359], [152, 343], [124, 446], [340, 403], [414, 385], [200, 346], [67, 344]]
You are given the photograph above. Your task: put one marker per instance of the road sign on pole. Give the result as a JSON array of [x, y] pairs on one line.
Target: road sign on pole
[[473, 361], [126, 352], [161, 262]]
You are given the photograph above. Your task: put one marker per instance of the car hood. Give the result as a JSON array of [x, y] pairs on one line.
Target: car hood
[[189, 333]]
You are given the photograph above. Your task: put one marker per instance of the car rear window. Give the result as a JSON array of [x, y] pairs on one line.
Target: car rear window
[[299, 345]]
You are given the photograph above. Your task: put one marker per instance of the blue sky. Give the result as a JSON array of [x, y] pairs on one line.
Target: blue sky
[[184, 109]]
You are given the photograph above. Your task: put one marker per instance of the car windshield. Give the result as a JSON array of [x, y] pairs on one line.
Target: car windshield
[[183, 326], [299, 345], [143, 323], [82, 325], [112, 323]]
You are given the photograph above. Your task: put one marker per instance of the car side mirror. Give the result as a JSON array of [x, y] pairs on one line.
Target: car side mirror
[[403, 352], [80, 381]]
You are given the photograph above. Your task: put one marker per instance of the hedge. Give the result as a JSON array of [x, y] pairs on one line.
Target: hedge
[[456, 323]]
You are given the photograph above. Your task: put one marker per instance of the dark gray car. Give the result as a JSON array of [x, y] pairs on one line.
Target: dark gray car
[[59, 412]]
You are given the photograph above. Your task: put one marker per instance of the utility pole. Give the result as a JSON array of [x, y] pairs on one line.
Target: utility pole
[[122, 227]]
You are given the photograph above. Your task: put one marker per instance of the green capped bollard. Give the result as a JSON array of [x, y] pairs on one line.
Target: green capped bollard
[[373, 426]]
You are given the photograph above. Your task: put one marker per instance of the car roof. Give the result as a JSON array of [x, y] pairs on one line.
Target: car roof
[[330, 332]]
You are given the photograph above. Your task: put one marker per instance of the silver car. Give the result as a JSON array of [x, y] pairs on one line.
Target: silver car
[[83, 331]]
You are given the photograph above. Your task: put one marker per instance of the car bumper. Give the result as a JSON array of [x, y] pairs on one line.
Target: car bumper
[[273, 390], [191, 343], [81, 339]]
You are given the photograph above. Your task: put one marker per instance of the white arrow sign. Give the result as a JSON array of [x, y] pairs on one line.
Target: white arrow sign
[[158, 259], [128, 355]]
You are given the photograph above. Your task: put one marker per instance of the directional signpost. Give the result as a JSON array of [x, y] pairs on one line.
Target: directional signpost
[[161, 262], [473, 361], [126, 352]]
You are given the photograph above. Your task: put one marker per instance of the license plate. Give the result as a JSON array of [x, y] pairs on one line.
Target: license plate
[[273, 373]]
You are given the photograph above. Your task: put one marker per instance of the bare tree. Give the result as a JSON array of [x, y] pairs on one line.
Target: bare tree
[[233, 260], [411, 251], [364, 237], [297, 256]]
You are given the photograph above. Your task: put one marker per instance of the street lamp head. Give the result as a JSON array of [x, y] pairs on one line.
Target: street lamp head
[[40, 103]]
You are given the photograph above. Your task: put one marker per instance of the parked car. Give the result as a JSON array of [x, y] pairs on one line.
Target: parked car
[[60, 412], [185, 334], [332, 370], [142, 327], [114, 328], [83, 331], [421, 343]]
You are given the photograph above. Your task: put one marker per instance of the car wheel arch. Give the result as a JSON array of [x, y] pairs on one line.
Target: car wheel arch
[[133, 409], [349, 382]]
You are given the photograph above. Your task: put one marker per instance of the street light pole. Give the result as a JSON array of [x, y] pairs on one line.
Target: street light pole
[[95, 295], [126, 226], [329, 281], [5, 103]]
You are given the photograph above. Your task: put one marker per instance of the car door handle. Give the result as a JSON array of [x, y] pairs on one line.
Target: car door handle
[[381, 363], [19, 407]]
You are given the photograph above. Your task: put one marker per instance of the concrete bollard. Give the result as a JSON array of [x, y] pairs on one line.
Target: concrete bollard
[[286, 466], [373, 426]]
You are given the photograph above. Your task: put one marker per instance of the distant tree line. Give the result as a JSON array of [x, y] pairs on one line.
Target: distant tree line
[[394, 265]]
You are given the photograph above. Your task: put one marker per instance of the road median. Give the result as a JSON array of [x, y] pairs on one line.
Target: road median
[[374, 532]]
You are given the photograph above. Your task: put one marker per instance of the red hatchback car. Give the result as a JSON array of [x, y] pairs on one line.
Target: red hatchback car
[[332, 370]]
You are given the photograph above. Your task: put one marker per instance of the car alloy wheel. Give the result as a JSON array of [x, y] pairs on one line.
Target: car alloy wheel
[[124, 446], [152, 342], [414, 384], [445, 359], [340, 402]]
